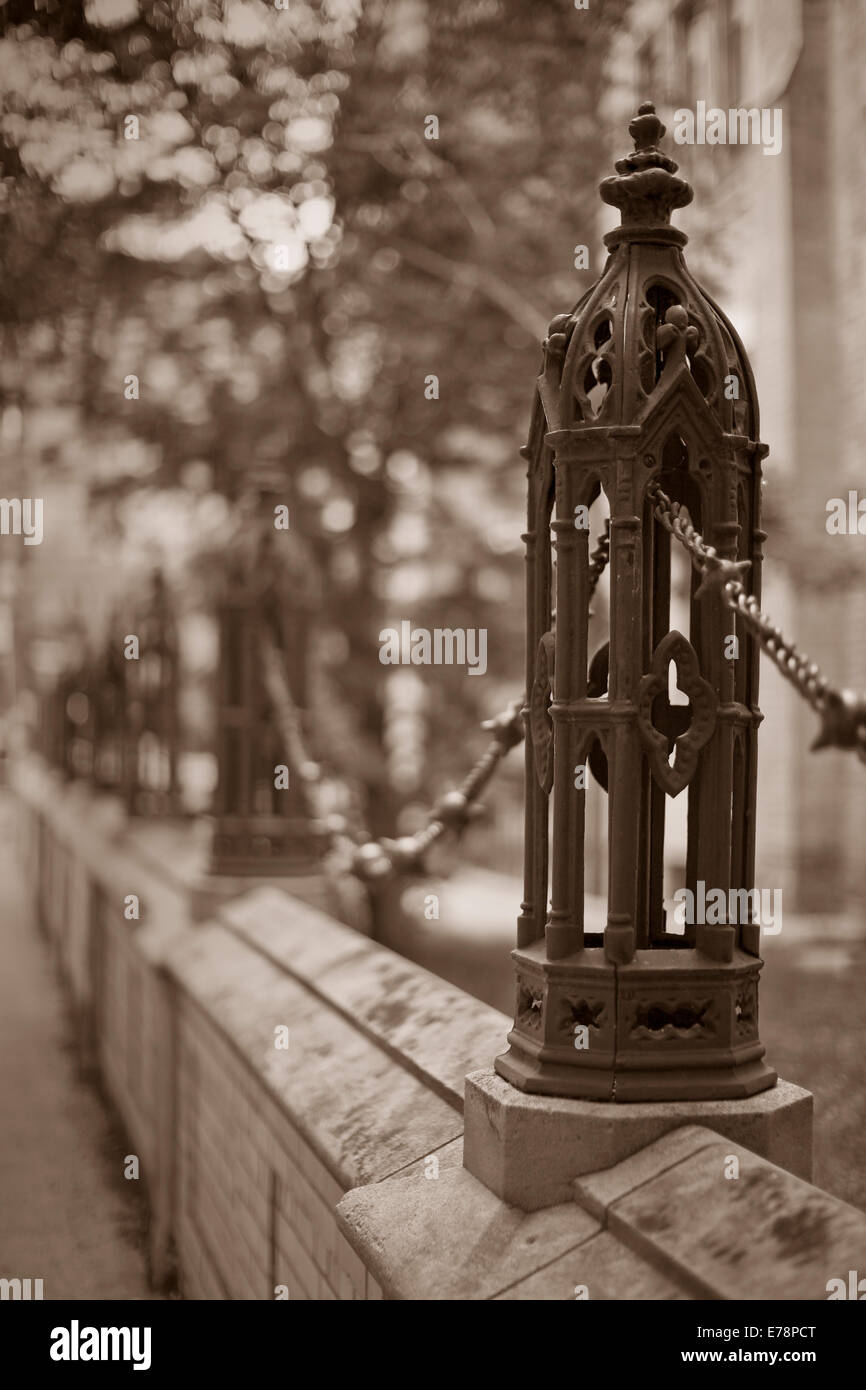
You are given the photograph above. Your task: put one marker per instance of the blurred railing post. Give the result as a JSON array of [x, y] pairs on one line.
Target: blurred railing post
[[113, 768], [262, 821], [152, 692]]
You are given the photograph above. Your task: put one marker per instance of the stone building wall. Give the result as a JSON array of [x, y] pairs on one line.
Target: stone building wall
[[778, 240], [847, 54]]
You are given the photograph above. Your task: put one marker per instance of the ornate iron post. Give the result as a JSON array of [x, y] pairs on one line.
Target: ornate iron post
[[107, 679], [151, 708], [261, 825], [644, 385]]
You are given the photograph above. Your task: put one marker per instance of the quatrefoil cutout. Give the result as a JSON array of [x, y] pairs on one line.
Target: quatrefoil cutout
[[703, 707], [540, 722]]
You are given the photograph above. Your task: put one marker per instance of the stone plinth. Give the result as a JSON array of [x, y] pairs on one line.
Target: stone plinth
[[529, 1149]]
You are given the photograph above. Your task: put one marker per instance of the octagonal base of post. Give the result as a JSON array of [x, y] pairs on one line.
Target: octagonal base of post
[[670, 1024], [736, 1082], [529, 1148]]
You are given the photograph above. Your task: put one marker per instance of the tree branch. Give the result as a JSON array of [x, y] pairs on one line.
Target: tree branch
[[524, 314]]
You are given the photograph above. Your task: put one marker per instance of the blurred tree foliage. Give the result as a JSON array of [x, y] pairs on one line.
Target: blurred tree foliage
[[238, 203]]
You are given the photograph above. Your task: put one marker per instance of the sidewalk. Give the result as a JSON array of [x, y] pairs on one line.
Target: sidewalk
[[67, 1214]]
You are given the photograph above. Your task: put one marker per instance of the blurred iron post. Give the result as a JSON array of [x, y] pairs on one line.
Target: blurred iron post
[[113, 767], [151, 709], [53, 721], [260, 828], [645, 380]]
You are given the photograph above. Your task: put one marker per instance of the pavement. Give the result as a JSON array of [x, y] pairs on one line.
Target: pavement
[[67, 1214]]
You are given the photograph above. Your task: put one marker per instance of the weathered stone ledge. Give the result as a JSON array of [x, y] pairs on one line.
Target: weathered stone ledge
[[670, 1222], [333, 1167]]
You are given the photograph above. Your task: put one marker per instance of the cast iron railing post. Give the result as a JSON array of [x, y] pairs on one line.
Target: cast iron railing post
[[260, 828], [644, 385]]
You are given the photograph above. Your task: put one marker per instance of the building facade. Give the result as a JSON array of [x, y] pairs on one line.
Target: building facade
[[778, 237]]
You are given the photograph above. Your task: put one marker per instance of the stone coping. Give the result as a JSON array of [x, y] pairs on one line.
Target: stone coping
[[690, 1216], [432, 1028], [98, 830], [364, 1114], [724, 1222]]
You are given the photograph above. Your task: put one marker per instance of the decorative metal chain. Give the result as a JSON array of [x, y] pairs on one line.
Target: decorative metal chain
[[377, 860], [287, 717], [599, 557], [842, 712]]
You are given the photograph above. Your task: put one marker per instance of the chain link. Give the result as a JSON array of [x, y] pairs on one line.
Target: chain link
[[599, 558], [843, 713], [377, 860], [453, 812]]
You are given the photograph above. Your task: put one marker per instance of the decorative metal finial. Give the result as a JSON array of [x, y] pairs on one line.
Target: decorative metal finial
[[645, 188], [645, 128]]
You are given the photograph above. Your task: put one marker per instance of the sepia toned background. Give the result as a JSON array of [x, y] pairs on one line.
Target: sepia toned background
[[232, 261]]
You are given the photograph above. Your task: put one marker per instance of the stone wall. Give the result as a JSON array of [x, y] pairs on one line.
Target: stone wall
[[332, 1167]]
